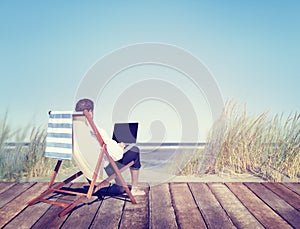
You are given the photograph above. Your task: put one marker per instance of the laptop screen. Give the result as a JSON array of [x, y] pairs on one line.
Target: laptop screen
[[125, 132]]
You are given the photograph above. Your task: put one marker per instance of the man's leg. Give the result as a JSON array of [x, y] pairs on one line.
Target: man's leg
[[133, 154], [134, 177]]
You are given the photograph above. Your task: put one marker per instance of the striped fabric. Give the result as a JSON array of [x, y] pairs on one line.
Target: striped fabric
[[59, 135]]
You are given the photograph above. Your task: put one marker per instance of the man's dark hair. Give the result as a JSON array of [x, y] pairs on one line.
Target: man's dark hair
[[84, 104]]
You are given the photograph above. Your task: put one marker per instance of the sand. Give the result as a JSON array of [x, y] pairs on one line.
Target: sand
[[154, 177]]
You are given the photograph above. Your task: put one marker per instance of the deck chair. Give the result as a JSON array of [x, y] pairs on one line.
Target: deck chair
[[74, 139]]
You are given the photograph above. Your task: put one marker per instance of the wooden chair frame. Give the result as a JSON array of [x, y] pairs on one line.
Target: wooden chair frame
[[93, 188]]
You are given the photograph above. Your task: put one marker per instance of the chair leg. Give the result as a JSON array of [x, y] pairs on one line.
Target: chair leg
[[113, 176], [54, 188], [95, 175], [71, 206], [119, 176], [47, 192], [54, 173]]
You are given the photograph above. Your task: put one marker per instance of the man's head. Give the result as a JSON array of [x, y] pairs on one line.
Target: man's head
[[84, 104]]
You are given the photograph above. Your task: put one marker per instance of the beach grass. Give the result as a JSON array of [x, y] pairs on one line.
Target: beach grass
[[24, 158], [240, 143]]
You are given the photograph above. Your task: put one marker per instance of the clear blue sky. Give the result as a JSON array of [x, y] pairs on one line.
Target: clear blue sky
[[251, 47]]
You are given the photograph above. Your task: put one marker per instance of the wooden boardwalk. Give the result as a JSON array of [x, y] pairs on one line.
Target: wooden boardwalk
[[170, 205]]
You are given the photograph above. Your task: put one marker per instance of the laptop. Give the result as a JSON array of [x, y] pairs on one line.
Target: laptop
[[125, 132]]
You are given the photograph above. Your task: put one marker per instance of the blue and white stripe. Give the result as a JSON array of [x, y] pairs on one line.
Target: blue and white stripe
[[59, 135]]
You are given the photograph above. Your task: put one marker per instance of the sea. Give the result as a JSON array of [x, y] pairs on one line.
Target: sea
[[161, 154]]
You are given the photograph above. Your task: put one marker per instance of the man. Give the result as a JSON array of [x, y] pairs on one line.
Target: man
[[117, 151]]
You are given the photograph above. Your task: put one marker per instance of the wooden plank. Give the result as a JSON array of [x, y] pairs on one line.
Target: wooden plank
[[186, 210], [213, 213], [109, 214], [295, 187], [51, 218], [136, 215], [265, 215], [83, 215], [239, 215], [6, 185], [13, 192], [161, 210], [15, 206], [285, 210], [286, 194], [27, 218]]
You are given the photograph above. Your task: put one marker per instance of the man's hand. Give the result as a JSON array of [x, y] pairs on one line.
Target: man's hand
[[122, 145]]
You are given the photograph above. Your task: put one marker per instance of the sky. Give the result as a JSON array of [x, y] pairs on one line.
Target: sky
[[251, 49]]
